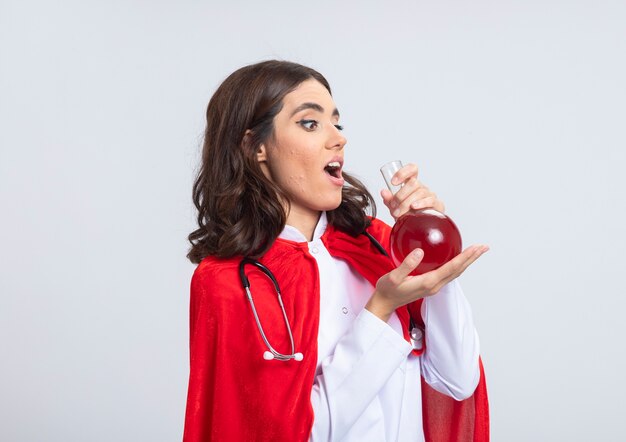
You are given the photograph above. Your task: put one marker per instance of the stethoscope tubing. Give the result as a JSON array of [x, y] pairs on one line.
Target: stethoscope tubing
[[273, 353], [246, 285]]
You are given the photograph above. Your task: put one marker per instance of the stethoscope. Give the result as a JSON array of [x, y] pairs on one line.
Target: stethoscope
[[271, 352]]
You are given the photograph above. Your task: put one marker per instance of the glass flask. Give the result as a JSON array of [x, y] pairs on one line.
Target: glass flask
[[427, 229]]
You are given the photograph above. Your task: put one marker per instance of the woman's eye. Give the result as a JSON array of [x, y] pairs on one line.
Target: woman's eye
[[309, 124]]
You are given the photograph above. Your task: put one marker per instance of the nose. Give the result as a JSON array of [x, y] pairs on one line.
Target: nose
[[336, 139]]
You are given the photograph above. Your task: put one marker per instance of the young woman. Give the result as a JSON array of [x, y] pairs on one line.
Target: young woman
[[301, 328]]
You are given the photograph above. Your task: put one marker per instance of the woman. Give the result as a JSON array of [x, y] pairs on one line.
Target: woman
[[339, 363]]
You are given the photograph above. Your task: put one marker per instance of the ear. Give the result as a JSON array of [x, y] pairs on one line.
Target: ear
[[261, 154], [261, 157]]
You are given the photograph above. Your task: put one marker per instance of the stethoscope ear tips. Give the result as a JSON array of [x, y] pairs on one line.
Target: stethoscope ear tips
[[268, 356], [298, 356]]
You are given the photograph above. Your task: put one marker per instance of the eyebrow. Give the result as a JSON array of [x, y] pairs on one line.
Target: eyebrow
[[313, 106]]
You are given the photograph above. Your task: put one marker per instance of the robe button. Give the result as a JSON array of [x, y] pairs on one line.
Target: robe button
[[344, 310], [314, 249]]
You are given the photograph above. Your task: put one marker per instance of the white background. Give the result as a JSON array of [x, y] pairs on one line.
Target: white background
[[514, 112]]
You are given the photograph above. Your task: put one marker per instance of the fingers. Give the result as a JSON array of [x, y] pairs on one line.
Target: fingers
[[412, 195], [409, 264], [389, 293], [397, 288], [408, 188], [405, 172], [455, 267], [387, 197], [429, 201], [431, 282], [411, 188]]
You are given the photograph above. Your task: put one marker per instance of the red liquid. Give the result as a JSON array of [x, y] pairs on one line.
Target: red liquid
[[429, 230]]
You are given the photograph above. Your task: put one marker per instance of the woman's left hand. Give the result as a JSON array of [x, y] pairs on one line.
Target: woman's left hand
[[412, 196]]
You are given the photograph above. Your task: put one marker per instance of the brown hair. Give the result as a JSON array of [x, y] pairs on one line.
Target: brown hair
[[239, 209]]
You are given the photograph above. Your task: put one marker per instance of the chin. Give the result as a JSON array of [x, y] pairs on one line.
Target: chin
[[332, 206], [325, 203]]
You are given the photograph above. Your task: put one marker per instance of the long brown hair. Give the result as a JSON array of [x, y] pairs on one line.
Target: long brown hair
[[239, 209]]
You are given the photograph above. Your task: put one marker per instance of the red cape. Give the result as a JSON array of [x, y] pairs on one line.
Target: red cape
[[236, 395]]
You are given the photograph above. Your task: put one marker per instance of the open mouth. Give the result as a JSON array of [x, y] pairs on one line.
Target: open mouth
[[333, 169]]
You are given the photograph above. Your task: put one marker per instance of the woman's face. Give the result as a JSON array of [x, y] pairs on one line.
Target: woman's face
[[305, 155]]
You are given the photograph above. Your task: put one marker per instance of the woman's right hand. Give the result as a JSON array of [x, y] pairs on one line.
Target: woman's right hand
[[398, 288]]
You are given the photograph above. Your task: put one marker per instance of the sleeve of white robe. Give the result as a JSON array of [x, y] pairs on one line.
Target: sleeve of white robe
[[363, 360], [368, 354], [450, 362]]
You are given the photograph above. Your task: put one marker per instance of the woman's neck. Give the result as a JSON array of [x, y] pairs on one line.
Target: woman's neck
[[304, 220]]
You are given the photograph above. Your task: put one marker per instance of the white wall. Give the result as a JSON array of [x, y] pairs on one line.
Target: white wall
[[514, 112]]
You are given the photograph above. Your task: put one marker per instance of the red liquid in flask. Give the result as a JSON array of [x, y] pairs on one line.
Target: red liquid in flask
[[432, 231]]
